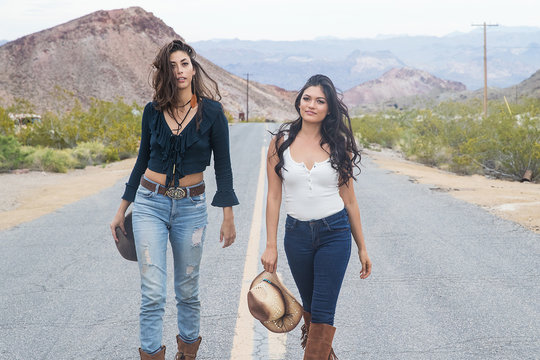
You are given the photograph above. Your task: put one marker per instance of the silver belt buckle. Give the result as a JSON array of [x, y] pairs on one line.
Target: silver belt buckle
[[175, 193]]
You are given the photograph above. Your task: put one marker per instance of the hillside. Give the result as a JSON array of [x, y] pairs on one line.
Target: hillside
[[530, 86], [398, 84], [108, 54]]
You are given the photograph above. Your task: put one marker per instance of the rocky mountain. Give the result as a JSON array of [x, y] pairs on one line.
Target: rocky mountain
[[398, 84], [108, 54], [513, 54], [529, 87]]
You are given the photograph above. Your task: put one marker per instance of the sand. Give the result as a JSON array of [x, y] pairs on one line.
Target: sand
[[27, 196]]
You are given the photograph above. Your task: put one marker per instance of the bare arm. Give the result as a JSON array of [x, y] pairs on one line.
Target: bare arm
[[349, 199], [227, 234], [118, 220], [273, 203]]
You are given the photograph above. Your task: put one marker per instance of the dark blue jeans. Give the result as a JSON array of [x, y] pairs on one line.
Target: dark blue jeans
[[318, 252]]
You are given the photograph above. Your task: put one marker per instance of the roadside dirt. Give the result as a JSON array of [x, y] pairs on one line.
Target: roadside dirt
[[27, 196], [515, 201]]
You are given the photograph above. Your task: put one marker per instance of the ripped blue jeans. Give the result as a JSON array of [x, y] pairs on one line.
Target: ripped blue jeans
[[156, 220]]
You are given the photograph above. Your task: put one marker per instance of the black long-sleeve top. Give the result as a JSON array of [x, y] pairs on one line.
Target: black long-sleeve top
[[187, 153]]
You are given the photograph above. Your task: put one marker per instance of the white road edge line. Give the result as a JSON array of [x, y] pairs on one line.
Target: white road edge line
[[243, 333]]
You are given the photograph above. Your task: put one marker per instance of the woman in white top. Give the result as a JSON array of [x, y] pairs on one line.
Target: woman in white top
[[311, 162]]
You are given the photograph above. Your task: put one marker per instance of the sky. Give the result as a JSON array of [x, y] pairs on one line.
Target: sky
[[197, 20]]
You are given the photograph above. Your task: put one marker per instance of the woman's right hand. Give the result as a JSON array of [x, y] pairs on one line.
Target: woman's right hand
[[269, 259], [118, 221]]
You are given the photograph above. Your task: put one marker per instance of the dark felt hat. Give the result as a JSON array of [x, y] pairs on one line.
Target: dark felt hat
[[126, 244]]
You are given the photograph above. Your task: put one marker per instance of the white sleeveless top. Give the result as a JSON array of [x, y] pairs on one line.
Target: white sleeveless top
[[310, 194]]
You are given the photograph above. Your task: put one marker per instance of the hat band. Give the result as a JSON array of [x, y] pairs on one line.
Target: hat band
[[285, 312]]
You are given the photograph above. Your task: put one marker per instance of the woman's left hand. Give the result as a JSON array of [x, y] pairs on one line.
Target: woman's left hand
[[227, 235], [366, 264]]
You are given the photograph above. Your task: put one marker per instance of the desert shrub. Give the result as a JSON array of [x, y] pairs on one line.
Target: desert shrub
[[456, 136], [7, 126], [384, 129], [50, 132], [123, 127], [89, 153], [111, 154], [12, 155], [229, 116], [53, 160], [508, 145], [114, 124], [426, 143]]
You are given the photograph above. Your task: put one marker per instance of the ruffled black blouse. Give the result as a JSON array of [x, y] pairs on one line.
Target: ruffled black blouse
[[187, 153]]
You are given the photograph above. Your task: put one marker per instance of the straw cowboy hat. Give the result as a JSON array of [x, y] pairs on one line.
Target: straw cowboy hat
[[126, 244], [271, 303]]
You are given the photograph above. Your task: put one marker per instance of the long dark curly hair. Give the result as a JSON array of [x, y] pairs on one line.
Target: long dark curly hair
[[166, 93], [336, 131]]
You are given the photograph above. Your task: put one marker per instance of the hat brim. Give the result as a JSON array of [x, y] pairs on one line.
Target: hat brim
[[126, 243], [294, 309]]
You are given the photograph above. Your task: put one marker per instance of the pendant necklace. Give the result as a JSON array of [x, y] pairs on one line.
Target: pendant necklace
[[181, 122], [193, 102]]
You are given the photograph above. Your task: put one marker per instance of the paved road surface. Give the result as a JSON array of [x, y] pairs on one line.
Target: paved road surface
[[450, 281]]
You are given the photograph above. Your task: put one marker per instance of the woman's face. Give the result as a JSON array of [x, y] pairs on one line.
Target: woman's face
[[182, 69], [313, 105]]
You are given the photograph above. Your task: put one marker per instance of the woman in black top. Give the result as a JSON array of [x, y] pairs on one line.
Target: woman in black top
[[181, 127]]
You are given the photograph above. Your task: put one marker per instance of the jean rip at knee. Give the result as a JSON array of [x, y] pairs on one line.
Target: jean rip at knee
[[197, 236]]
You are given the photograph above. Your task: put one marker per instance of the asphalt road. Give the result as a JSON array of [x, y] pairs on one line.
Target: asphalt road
[[450, 281]]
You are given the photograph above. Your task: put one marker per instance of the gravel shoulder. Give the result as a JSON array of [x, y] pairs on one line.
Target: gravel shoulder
[[511, 200]]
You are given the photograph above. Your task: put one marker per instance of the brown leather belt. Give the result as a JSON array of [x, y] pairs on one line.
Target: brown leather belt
[[174, 192]]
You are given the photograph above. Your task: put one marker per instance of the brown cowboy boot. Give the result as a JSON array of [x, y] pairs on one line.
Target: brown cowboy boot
[[319, 343], [187, 351], [160, 355], [305, 329]]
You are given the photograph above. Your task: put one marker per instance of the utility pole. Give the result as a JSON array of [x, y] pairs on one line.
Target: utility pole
[[485, 65], [247, 98]]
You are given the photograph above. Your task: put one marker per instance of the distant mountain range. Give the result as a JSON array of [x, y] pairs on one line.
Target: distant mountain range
[[108, 54], [2, 42], [513, 55], [397, 85]]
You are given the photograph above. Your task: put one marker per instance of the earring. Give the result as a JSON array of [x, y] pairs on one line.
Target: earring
[[193, 101]]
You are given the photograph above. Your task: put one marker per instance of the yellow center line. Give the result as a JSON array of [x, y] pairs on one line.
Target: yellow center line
[[243, 332]]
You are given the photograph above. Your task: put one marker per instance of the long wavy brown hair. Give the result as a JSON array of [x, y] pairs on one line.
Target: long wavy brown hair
[[336, 131], [166, 93]]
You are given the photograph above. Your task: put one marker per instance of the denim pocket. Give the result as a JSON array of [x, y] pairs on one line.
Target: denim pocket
[[340, 223], [144, 192], [290, 223], [198, 200]]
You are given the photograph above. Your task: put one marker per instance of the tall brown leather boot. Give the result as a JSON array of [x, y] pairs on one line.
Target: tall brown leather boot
[[305, 329], [319, 342], [187, 351], [160, 355]]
